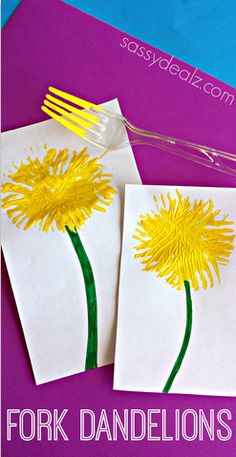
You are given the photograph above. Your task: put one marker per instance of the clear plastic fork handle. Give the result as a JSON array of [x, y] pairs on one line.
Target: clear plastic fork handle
[[218, 160]]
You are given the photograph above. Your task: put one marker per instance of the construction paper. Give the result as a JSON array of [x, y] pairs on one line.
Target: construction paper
[[152, 311], [45, 274], [175, 27]]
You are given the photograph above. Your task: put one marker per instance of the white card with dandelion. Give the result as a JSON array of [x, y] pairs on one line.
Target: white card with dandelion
[[61, 231], [176, 315]]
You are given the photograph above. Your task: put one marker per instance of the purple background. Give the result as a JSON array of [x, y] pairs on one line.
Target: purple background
[[58, 45]]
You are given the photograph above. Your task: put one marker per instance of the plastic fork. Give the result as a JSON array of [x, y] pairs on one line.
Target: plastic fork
[[105, 129]]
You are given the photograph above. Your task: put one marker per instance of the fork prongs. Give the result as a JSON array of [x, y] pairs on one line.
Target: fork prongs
[[73, 109], [77, 120], [76, 100], [69, 125]]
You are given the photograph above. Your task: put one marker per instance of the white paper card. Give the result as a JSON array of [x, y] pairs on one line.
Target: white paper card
[[152, 314], [44, 270]]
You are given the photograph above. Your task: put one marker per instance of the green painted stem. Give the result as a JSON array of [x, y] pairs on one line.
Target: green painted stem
[[92, 343], [187, 334]]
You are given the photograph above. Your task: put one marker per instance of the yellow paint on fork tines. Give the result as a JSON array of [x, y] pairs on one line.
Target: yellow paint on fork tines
[[78, 101], [73, 109], [74, 128], [76, 119]]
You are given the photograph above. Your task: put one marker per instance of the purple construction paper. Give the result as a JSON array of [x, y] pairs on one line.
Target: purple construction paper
[[54, 44]]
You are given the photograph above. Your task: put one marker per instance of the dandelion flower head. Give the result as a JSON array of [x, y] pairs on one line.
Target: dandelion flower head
[[184, 241], [62, 189]]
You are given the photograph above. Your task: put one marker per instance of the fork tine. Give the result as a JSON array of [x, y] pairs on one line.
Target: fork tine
[[71, 108], [76, 100], [69, 125], [81, 122]]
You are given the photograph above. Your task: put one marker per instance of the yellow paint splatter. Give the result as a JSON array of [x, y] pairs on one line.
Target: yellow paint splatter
[[62, 188], [184, 241]]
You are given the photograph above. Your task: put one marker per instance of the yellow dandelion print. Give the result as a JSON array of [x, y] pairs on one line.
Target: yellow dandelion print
[[62, 190], [184, 242]]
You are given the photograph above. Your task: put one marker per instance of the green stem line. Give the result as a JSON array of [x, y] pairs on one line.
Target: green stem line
[[187, 334], [92, 343]]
